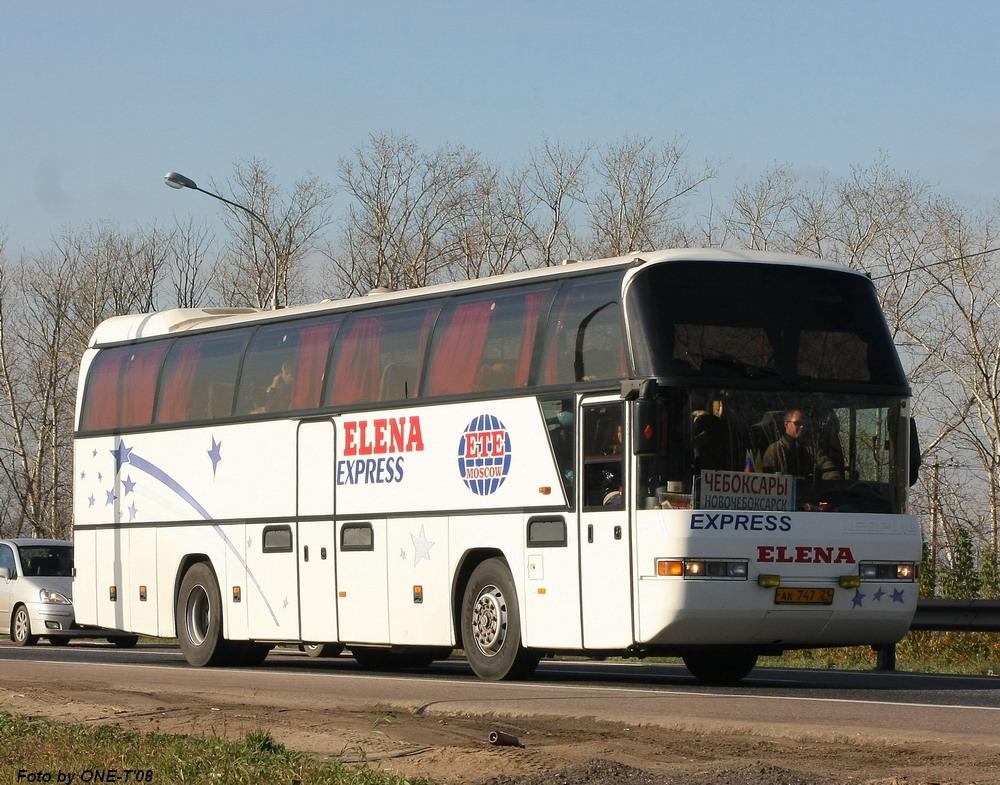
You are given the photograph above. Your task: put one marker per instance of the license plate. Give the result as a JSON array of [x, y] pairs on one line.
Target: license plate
[[791, 595]]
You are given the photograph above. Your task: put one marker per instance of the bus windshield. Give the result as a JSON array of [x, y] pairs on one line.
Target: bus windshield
[[761, 325], [847, 452]]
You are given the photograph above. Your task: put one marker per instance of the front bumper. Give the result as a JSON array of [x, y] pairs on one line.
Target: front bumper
[[53, 620]]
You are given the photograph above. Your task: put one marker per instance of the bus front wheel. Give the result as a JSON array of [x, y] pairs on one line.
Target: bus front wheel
[[199, 617], [720, 666], [491, 625]]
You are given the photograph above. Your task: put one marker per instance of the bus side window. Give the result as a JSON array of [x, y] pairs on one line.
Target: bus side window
[[199, 377], [603, 458], [284, 367], [583, 338], [560, 426], [378, 354]]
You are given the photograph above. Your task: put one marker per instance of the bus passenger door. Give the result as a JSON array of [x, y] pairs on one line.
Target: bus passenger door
[[604, 533], [317, 541]]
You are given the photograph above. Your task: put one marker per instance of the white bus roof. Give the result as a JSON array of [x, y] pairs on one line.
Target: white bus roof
[[131, 327]]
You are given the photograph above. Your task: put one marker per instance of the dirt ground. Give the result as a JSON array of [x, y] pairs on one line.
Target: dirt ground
[[454, 748]]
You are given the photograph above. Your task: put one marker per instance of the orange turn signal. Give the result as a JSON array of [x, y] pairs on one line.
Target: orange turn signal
[[666, 568]]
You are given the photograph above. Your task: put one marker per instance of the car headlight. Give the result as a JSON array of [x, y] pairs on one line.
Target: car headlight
[[47, 595]]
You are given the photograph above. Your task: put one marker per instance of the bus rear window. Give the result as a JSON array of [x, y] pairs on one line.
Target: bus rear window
[[120, 387], [199, 377]]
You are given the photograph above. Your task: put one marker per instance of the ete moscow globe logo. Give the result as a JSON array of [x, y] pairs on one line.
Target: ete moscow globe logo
[[484, 455]]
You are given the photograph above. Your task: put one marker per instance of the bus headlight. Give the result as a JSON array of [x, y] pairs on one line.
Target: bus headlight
[[887, 571], [719, 569]]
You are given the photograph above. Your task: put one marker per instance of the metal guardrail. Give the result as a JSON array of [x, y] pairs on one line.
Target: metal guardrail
[[957, 615], [946, 616]]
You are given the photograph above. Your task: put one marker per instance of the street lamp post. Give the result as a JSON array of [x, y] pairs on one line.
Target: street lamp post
[[175, 180]]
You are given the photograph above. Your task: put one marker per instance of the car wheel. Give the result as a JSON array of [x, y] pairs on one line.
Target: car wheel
[[491, 625], [322, 649], [720, 666], [198, 617], [20, 628], [125, 641]]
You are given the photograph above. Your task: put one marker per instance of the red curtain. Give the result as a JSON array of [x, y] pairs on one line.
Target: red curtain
[[458, 354], [532, 307], [139, 384], [102, 390], [356, 368], [175, 396], [310, 364]]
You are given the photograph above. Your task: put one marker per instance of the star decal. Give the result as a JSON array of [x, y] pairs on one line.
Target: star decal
[[91, 499], [897, 595], [858, 597], [129, 485], [421, 546], [284, 603], [83, 475], [94, 454], [215, 454], [100, 476], [111, 497], [877, 596], [122, 455], [402, 554], [132, 512]]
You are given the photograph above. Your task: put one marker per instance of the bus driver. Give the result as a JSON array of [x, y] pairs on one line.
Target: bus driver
[[791, 455]]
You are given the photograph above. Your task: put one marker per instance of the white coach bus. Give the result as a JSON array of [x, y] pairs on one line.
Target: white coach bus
[[695, 453]]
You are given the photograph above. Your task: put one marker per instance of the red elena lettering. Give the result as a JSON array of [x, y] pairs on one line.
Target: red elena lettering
[[365, 447], [415, 441], [396, 434], [804, 554], [350, 446], [380, 445], [844, 556]]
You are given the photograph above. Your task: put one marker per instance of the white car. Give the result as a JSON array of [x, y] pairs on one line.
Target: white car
[[36, 598]]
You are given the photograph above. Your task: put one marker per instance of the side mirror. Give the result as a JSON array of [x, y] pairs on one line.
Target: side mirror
[[647, 424], [914, 453], [4, 573]]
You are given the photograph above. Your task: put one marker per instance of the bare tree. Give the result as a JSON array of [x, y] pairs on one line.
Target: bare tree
[[257, 254], [763, 213], [399, 227], [557, 179], [191, 268], [491, 235], [642, 186]]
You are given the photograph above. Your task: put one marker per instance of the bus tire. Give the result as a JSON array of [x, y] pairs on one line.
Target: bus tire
[[322, 650], [491, 625], [248, 654], [720, 666], [124, 641], [198, 616]]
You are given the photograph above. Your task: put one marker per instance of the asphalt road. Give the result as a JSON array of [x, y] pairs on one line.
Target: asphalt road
[[889, 705]]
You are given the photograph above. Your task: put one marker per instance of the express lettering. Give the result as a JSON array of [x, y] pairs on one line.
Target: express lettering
[[759, 522], [370, 471], [804, 554]]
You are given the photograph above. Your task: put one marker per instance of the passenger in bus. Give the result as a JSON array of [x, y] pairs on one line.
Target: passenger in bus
[[279, 393], [792, 454], [709, 437]]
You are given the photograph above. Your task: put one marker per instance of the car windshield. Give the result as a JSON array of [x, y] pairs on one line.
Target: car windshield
[[841, 452], [47, 561]]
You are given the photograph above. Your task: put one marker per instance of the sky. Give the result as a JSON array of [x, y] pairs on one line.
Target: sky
[[101, 99]]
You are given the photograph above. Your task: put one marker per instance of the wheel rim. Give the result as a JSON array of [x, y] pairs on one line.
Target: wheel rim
[[22, 626], [198, 615], [489, 620]]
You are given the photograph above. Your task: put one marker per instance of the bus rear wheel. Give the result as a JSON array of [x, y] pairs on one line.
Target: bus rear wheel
[[720, 666], [491, 625], [198, 616]]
